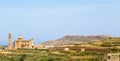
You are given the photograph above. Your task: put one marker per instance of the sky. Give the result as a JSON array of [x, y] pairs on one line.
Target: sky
[[46, 20]]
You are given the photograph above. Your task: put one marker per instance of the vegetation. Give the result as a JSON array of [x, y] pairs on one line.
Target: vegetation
[[106, 44], [42, 55], [111, 42]]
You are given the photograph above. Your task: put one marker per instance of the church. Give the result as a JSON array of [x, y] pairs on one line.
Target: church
[[20, 43]]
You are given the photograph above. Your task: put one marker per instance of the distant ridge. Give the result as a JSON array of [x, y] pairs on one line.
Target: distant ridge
[[75, 39]]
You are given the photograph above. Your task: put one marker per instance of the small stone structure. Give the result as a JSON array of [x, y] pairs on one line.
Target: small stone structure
[[113, 57]]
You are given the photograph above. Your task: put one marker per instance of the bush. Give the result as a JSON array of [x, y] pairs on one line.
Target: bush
[[106, 44], [85, 53]]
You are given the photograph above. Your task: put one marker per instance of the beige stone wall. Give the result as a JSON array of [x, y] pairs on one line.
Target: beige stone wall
[[23, 43], [113, 57]]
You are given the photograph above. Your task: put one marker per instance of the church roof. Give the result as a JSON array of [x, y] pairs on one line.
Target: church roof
[[20, 36]]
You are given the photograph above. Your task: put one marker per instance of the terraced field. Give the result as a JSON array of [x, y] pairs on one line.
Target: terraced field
[[45, 55]]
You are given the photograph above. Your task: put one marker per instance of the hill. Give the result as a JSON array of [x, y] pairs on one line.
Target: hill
[[76, 39]]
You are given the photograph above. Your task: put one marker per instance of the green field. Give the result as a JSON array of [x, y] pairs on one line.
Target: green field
[[46, 55]]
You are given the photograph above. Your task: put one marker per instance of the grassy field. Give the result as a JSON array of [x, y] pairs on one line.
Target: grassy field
[[46, 55]]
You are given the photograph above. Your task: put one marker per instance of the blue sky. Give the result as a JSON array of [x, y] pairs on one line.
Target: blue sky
[[51, 19]]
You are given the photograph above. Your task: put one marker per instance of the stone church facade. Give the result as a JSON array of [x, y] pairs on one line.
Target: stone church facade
[[20, 43]]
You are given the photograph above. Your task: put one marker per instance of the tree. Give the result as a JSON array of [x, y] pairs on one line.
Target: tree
[[11, 59], [23, 57]]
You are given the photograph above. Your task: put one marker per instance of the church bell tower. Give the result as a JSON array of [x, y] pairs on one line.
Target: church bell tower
[[9, 41]]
